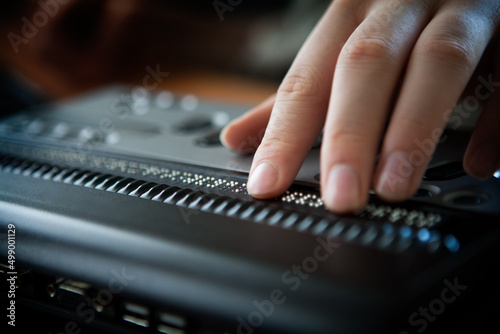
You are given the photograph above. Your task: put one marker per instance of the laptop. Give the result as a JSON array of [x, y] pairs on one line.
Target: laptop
[[121, 212]]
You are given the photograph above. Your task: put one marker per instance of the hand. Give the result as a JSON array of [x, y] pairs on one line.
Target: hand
[[378, 76]]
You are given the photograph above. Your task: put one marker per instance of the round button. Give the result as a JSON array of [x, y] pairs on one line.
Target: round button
[[35, 127], [189, 102], [165, 100], [427, 190], [423, 193], [90, 135], [60, 130], [466, 198], [220, 119], [209, 140], [112, 138]]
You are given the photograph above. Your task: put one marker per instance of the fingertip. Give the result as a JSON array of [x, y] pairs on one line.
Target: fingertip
[[342, 190], [394, 178], [263, 180], [245, 133], [481, 162], [226, 136], [240, 136]]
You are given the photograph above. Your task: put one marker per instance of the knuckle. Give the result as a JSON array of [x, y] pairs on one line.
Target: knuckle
[[300, 83], [366, 48], [277, 143], [347, 138], [449, 51], [418, 124], [453, 45], [279, 136], [271, 142]]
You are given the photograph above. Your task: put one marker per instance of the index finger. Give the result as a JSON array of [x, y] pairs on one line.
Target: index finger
[[301, 104]]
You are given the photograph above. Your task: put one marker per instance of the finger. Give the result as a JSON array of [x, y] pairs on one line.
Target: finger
[[367, 72], [245, 133], [301, 103], [482, 157], [441, 64]]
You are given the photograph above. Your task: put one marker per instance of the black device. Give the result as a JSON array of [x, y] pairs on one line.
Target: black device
[[125, 214]]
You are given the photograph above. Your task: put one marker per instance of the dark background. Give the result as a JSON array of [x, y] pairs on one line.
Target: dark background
[[84, 44]]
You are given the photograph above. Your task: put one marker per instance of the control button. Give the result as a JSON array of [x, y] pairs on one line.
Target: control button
[[423, 193], [60, 130], [35, 127], [90, 135], [140, 109], [452, 243], [466, 198], [140, 101], [445, 172], [112, 138], [220, 119], [427, 190], [209, 140], [424, 235], [165, 100], [189, 102], [194, 124]]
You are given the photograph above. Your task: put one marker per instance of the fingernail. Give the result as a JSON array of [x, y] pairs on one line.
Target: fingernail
[[394, 181], [482, 163], [262, 179], [223, 135], [342, 189], [224, 131]]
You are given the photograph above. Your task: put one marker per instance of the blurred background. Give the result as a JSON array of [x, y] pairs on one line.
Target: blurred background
[[234, 50]]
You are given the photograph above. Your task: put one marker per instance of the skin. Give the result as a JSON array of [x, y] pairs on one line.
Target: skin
[[379, 77]]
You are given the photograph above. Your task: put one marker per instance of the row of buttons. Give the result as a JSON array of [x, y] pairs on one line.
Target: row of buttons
[[139, 101], [46, 128], [142, 100], [38, 127]]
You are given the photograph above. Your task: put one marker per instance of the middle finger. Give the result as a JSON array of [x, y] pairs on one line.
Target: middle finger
[[366, 76]]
